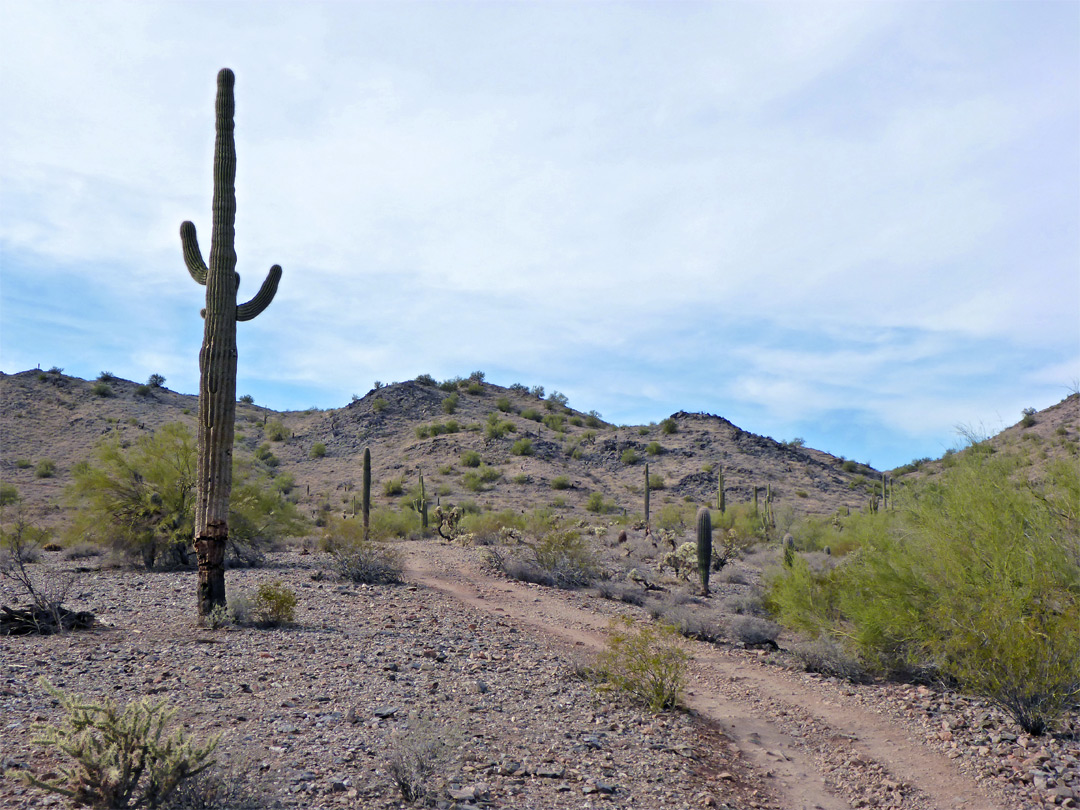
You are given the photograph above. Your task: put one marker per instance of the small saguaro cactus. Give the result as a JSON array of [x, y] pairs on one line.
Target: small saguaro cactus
[[217, 358], [721, 500], [646, 497], [704, 547], [423, 505], [366, 502]]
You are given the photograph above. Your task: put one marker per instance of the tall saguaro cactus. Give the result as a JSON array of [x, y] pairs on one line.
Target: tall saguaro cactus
[[217, 358]]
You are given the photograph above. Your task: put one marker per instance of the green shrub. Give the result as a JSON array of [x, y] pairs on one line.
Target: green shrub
[[503, 404], [276, 431], [476, 480], [593, 420], [532, 414], [560, 482], [123, 757], [24, 463], [554, 421], [654, 449], [669, 426], [597, 504], [106, 377], [576, 421], [101, 389], [473, 387], [522, 447], [273, 605], [1028, 418], [318, 450], [629, 456], [46, 468], [142, 390], [246, 399], [522, 478], [156, 381], [567, 558], [656, 481], [378, 405], [9, 494], [470, 458], [496, 428], [450, 403], [645, 661], [491, 527], [425, 379], [392, 487], [976, 577]]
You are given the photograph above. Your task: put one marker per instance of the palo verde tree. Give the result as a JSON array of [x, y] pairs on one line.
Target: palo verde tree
[[217, 358]]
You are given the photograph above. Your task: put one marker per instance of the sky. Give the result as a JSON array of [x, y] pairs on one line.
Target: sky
[[854, 223]]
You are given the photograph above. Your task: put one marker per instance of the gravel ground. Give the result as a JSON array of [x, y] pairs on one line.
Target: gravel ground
[[313, 715]]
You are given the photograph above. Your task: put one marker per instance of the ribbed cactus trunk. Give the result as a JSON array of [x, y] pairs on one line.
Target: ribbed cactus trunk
[[704, 547], [366, 503], [217, 358], [648, 528]]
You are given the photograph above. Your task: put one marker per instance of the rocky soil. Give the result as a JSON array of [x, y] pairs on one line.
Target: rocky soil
[[480, 679]]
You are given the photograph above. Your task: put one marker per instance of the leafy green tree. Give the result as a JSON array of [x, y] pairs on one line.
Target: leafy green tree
[[140, 498]]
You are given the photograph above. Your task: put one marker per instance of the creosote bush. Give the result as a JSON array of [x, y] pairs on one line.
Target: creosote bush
[[123, 757], [272, 605], [372, 562], [646, 661]]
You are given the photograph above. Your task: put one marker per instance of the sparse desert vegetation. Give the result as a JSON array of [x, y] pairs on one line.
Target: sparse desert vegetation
[[954, 588]]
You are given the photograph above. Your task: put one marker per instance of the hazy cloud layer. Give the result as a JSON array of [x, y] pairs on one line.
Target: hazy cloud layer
[[853, 222]]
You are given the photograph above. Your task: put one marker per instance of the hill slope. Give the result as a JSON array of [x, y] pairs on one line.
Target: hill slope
[[49, 416]]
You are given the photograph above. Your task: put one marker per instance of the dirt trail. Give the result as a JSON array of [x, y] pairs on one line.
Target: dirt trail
[[817, 751]]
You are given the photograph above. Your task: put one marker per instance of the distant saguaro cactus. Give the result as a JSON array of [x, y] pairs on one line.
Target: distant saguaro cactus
[[366, 502], [646, 497], [721, 500], [217, 358], [704, 547]]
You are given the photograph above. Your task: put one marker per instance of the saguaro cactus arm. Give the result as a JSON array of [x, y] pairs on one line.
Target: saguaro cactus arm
[[192, 255], [262, 299]]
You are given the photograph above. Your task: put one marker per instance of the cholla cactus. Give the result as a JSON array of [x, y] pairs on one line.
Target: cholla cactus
[[217, 358]]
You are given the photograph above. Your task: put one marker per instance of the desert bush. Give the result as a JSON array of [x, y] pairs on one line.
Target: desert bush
[[504, 405], [566, 557], [276, 431], [24, 463], [597, 504], [318, 450], [273, 604], [371, 562], [976, 577], [425, 379], [560, 482], [246, 399], [416, 761], [522, 447], [496, 428], [450, 403], [142, 390], [378, 405], [532, 414], [392, 487], [690, 620], [669, 426], [645, 661], [478, 479], [155, 381], [654, 449], [1028, 417], [470, 458], [9, 494], [123, 757], [491, 527], [754, 631], [46, 468], [828, 656], [656, 482], [106, 377], [140, 500], [554, 421], [629, 456]]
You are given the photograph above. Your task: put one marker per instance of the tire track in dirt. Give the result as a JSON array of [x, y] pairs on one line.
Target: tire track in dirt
[[817, 753]]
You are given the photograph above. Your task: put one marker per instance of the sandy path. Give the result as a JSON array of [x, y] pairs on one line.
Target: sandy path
[[817, 751]]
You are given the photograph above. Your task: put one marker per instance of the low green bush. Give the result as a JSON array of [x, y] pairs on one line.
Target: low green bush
[[560, 482], [522, 447], [46, 468], [645, 661], [629, 456], [101, 389], [318, 450], [470, 458], [974, 577], [276, 431], [392, 487]]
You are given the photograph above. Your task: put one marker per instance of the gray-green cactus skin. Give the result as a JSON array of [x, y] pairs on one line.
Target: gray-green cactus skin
[[704, 547], [217, 357], [367, 493], [646, 496], [721, 499], [423, 505]]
